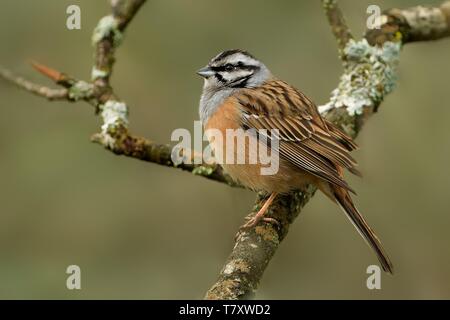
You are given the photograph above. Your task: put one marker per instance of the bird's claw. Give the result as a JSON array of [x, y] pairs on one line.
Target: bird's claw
[[253, 221]]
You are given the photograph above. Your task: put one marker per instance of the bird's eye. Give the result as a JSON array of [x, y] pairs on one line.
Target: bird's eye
[[229, 67]]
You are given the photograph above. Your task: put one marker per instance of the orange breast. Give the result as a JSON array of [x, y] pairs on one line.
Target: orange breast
[[247, 173], [231, 144], [227, 116]]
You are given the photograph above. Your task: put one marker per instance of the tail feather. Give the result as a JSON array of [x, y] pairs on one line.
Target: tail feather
[[343, 198]]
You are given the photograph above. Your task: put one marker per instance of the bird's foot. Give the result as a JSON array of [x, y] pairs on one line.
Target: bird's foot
[[252, 222]]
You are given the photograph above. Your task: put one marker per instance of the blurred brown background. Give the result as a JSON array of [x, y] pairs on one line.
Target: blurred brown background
[[138, 230]]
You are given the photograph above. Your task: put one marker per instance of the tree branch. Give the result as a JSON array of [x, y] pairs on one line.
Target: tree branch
[[413, 24], [350, 105]]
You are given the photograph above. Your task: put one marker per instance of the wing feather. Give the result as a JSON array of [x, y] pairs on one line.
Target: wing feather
[[306, 139]]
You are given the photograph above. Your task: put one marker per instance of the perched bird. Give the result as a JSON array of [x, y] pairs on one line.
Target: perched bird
[[240, 92]]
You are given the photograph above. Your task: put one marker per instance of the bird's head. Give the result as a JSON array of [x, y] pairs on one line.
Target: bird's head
[[234, 69]]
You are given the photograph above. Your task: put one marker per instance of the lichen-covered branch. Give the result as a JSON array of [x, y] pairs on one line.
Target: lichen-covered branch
[[146, 150], [108, 36], [254, 248], [369, 75]]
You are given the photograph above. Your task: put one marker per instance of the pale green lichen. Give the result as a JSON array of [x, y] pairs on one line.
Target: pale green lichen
[[114, 115], [238, 265], [80, 90], [203, 171], [369, 75], [97, 73], [107, 26]]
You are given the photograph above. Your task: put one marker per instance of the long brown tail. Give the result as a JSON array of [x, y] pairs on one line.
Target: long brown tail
[[343, 198]]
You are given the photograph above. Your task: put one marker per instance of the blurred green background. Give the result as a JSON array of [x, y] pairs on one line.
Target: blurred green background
[[138, 230]]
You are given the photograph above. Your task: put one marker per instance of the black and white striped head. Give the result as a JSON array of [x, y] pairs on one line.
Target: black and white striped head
[[234, 69]]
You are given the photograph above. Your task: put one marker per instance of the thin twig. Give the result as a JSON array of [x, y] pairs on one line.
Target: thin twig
[[337, 22], [125, 10], [37, 89]]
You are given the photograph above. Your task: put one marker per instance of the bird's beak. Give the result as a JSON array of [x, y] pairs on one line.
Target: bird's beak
[[205, 72]]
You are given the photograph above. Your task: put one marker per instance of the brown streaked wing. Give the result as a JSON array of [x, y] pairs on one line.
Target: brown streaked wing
[[341, 136], [306, 139], [307, 160]]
